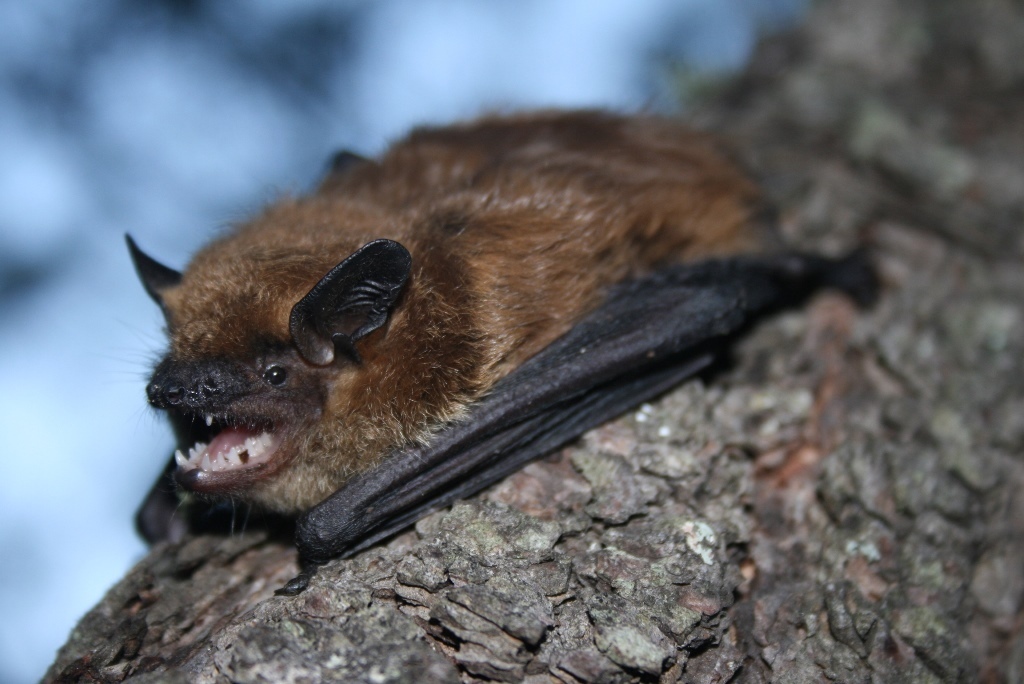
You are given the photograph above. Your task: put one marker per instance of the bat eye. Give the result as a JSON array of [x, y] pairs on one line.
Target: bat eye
[[275, 375]]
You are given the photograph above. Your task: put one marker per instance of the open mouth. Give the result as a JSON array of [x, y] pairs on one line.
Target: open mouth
[[231, 448]]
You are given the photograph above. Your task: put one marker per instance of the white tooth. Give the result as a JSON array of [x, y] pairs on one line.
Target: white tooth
[[233, 457], [205, 464], [209, 420], [180, 459]]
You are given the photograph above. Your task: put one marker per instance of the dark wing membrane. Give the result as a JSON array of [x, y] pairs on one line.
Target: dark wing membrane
[[648, 336], [156, 520]]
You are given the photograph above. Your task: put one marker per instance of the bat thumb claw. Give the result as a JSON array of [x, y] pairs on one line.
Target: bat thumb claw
[[298, 584], [855, 275]]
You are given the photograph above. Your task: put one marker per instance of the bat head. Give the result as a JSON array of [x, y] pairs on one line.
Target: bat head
[[250, 377]]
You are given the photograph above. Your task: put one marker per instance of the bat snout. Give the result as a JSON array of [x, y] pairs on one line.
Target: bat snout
[[198, 387], [164, 396]]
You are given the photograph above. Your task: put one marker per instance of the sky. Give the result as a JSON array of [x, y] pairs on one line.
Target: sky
[[172, 119]]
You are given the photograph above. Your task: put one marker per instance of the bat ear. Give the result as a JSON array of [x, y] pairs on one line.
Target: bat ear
[[155, 276], [343, 161], [350, 302]]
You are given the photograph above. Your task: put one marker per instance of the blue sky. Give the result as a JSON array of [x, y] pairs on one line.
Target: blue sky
[[172, 119]]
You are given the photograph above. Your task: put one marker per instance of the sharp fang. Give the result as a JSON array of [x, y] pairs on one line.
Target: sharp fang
[[209, 420], [180, 459]]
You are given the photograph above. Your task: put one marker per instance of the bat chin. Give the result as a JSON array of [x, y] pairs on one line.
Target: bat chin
[[228, 457]]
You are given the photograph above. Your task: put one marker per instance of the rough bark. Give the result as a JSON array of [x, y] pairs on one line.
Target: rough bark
[[844, 503]]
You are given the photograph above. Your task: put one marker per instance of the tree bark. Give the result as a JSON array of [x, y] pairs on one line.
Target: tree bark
[[843, 503]]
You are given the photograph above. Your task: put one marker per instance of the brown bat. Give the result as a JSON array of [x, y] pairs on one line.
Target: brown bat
[[425, 323]]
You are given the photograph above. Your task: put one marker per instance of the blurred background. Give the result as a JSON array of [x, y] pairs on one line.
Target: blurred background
[[170, 119]]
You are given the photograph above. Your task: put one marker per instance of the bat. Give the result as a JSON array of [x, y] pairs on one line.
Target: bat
[[427, 322]]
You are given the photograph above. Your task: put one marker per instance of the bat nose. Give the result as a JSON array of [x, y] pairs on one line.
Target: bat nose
[[166, 395], [208, 388], [194, 386]]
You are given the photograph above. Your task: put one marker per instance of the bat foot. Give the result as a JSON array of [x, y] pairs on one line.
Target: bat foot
[[298, 584]]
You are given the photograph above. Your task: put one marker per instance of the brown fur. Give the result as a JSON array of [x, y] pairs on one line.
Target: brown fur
[[516, 226]]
